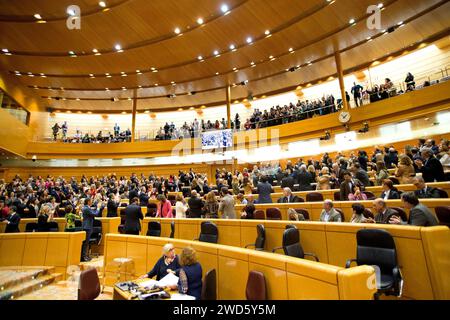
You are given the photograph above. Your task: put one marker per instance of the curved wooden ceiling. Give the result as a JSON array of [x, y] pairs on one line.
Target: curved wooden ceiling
[[314, 29]]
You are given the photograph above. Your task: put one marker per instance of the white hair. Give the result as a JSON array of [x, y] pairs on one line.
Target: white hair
[[167, 247]]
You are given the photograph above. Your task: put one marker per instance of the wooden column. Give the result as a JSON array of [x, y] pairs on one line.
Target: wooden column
[[337, 57], [133, 116], [228, 94]]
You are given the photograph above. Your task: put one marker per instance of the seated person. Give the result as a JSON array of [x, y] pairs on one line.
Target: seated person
[[389, 191], [295, 216], [356, 194], [70, 219], [167, 263], [419, 215], [240, 199], [190, 278], [288, 197], [358, 214], [382, 212], [423, 191], [248, 212], [329, 214]]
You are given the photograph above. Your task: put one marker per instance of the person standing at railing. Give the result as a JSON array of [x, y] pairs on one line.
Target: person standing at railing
[[55, 129], [409, 80], [357, 94]]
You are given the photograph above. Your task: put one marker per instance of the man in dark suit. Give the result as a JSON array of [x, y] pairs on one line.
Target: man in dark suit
[[264, 189], [423, 191], [288, 197], [143, 197], [12, 220], [133, 214], [383, 213], [195, 205], [304, 179], [419, 215], [361, 174], [88, 224], [347, 185], [112, 206], [288, 181], [134, 193], [430, 167]]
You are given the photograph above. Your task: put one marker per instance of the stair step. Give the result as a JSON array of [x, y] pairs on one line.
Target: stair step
[[29, 286], [12, 276]]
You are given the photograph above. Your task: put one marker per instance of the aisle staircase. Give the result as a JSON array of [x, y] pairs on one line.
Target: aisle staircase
[[19, 281]]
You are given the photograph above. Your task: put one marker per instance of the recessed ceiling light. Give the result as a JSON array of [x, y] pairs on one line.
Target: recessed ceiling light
[[78, 99], [102, 4], [147, 111], [107, 89], [94, 50], [177, 30], [139, 87], [43, 75], [400, 23], [180, 109], [267, 32], [129, 98], [290, 49], [216, 52], [118, 47], [123, 88], [89, 112], [200, 21], [217, 73], [232, 47], [37, 16], [124, 112], [224, 8], [351, 21], [30, 74], [200, 58], [249, 40], [156, 84], [380, 5], [71, 52], [270, 57]]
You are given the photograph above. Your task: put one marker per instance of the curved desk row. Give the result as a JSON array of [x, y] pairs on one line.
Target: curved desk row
[[286, 277], [423, 252]]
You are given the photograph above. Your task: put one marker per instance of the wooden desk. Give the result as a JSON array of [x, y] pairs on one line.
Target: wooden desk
[[119, 294]]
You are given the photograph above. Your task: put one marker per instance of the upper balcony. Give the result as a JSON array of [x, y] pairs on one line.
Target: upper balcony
[[407, 106]]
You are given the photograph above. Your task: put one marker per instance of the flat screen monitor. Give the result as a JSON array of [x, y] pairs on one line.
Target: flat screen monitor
[[217, 139]]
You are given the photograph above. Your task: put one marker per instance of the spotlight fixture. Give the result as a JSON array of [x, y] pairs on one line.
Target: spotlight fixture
[[118, 47], [216, 52], [232, 47], [267, 32], [200, 21], [102, 4], [177, 30], [224, 8], [38, 16], [249, 40], [351, 21]]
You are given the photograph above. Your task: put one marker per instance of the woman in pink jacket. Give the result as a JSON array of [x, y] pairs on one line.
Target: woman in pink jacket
[[163, 208]]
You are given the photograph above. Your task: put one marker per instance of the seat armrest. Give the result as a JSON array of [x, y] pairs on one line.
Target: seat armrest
[[311, 255], [277, 248], [349, 262], [249, 245]]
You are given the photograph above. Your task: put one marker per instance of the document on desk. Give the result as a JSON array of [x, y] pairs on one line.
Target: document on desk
[[148, 283], [179, 296], [169, 280]]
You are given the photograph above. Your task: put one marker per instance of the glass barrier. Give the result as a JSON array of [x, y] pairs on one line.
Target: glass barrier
[[312, 106], [13, 108]]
